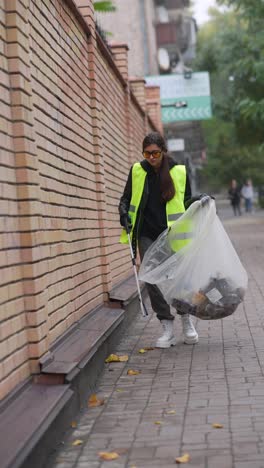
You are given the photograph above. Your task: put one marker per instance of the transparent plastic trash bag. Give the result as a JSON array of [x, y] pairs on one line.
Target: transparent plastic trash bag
[[195, 265]]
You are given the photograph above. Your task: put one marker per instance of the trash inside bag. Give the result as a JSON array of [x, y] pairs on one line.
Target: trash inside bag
[[195, 265]]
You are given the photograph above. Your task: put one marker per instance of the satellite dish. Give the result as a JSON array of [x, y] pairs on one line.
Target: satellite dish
[[163, 59], [163, 15]]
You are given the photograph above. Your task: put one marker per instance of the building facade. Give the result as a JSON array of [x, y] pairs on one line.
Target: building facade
[[161, 35], [151, 29], [133, 22]]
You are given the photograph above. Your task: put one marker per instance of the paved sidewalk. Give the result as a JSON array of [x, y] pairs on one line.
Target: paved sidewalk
[[220, 380]]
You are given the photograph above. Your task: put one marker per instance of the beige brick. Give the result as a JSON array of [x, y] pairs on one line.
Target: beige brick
[[37, 333], [36, 350], [18, 81], [16, 377]]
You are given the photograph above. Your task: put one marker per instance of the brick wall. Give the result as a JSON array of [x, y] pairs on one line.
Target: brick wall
[[70, 127], [153, 105]]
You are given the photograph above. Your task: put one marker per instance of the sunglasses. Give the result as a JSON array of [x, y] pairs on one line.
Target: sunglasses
[[156, 154]]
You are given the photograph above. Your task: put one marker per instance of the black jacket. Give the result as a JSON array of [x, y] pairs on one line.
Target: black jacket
[[151, 217], [234, 195]]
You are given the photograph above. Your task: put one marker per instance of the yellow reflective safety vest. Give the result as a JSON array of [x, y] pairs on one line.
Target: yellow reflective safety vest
[[174, 208]]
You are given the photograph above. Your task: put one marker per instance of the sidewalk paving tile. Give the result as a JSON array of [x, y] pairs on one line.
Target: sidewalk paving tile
[[220, 380]]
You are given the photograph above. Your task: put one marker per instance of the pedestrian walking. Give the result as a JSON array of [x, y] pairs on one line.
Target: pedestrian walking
[[156, 193], [248, 195], [234, 197]]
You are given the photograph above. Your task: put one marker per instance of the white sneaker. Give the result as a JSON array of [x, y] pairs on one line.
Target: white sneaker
[[190, 335], [167, 339]]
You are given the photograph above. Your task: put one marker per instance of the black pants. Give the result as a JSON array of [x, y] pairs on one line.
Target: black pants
[[158, 303], [236, 208]]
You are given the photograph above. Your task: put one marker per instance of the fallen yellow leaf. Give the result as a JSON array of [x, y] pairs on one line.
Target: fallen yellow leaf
[[116, 358], [133, 372], [171, 412], [144, 350], [94, 401], [158, 422], [108, 455], [77, 442], [123, 358], [119, 390], [74, 424], [184, 459], [217, 426]]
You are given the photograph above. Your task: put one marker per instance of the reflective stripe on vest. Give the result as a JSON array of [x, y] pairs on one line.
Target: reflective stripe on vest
[[174, 208]]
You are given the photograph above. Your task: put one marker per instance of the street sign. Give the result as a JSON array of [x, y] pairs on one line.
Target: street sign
[[194, 91], [176, 144]]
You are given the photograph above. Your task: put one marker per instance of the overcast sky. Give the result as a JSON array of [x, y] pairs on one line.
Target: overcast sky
[[200, 10]]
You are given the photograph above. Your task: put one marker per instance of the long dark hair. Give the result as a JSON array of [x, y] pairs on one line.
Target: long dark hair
[[167, 188]]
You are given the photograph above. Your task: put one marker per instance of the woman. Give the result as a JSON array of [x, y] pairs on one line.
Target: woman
[[248, 195], [234, 197], [157, 191]]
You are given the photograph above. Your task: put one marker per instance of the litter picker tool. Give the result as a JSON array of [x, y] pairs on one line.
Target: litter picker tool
[[142, 305]]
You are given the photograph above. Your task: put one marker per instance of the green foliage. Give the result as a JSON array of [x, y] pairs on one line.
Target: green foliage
[[104, 6], [252, 9], [231, 48], [231, 161], [261, 202], [248, 69]]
